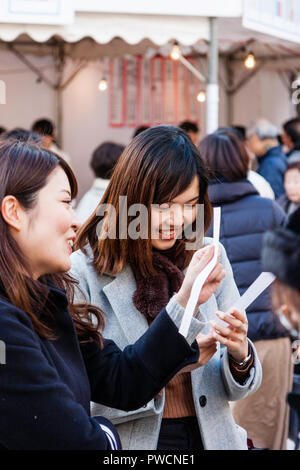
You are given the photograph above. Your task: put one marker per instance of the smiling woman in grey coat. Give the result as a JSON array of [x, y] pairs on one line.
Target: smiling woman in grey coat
[[132, 278]]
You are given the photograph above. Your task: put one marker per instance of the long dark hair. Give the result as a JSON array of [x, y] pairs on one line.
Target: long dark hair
[[24, 170], [158, 165]]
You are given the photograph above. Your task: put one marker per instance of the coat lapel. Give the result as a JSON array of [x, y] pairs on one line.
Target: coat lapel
[[119, 293]]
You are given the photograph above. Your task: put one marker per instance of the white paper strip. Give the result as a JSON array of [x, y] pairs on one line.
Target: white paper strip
[[201, 278], [257, 287], [263, 281]]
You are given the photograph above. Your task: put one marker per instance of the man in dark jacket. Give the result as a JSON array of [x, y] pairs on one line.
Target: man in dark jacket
[[272, 163]]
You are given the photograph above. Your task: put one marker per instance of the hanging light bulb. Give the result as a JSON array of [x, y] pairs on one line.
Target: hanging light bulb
[[175, 52], [250, 61], [201, 97], [102, 84]]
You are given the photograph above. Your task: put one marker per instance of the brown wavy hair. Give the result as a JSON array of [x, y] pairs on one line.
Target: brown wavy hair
[[25, 168], [158, 165]]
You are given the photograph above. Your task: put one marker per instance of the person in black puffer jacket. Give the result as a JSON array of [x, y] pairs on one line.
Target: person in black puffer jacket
[[246, 216]]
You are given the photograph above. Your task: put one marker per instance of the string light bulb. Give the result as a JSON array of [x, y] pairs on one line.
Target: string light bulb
[[102, 84], [201, 97], [250, 61], [175, 52]]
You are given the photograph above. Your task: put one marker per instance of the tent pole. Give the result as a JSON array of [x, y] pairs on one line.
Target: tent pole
[[212, 107], [230, 84], [59, 94], [59, 117]]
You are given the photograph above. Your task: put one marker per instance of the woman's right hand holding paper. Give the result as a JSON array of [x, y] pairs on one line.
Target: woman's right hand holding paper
[[198, 262]]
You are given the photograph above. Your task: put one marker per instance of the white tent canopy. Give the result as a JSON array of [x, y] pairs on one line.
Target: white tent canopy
[[95, 32], [103, 27], [96, 35], [77, 47]]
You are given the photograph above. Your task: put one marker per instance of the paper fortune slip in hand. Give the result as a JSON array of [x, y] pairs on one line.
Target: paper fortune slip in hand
[[263, 281], [201, 278]]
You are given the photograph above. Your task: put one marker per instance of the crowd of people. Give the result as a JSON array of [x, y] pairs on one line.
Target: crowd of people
[[65, 288]]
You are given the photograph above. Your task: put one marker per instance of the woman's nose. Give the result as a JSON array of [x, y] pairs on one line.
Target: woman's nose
[[177, 215], [75, 221]]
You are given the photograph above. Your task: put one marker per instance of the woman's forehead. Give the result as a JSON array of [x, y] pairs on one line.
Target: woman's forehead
[[292, 172], [190, 193], [58, 182]]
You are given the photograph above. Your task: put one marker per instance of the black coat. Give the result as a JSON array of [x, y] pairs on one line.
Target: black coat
[[245, 218], [46, 386], [286, 204]]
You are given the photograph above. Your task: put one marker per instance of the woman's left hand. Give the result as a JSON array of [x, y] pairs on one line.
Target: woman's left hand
[[233, 336]]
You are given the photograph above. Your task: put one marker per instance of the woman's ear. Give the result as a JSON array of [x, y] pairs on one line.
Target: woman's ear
[[12, 212]]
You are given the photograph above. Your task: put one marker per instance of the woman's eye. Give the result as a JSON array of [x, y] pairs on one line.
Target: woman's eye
[[190, 206], [69, 202]]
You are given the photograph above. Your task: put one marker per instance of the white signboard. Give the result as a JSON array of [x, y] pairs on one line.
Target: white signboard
[[37, 11], [165, 7], [279, 18]]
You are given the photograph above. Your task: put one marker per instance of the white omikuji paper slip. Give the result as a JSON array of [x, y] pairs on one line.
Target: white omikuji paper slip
[[263, 281], [201, 278]]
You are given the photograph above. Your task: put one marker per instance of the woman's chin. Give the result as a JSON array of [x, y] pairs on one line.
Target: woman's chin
[[63, 267], [163, 244]]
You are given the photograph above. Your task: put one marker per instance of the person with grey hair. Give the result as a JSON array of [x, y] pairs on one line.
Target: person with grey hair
[[263, 142]]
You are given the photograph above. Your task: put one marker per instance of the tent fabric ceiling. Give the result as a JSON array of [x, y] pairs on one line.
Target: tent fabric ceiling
[[102, 28], [86, 48], [94, 36]]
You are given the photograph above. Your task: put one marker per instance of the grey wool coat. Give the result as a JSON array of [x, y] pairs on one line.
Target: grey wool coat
[[139, 429]]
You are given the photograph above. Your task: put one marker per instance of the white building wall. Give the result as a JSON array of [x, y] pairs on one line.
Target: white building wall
[[266, 96], [25, 98]]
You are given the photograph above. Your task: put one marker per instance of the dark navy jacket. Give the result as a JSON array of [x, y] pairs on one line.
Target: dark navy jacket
[[46, 386], [245, 217], [272, 167]]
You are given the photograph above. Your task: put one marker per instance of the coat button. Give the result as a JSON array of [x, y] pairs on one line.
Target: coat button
[[202, 400]]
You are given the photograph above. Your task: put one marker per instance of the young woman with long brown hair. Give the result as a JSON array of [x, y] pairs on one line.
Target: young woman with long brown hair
[[132, 276], [53, 358]]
